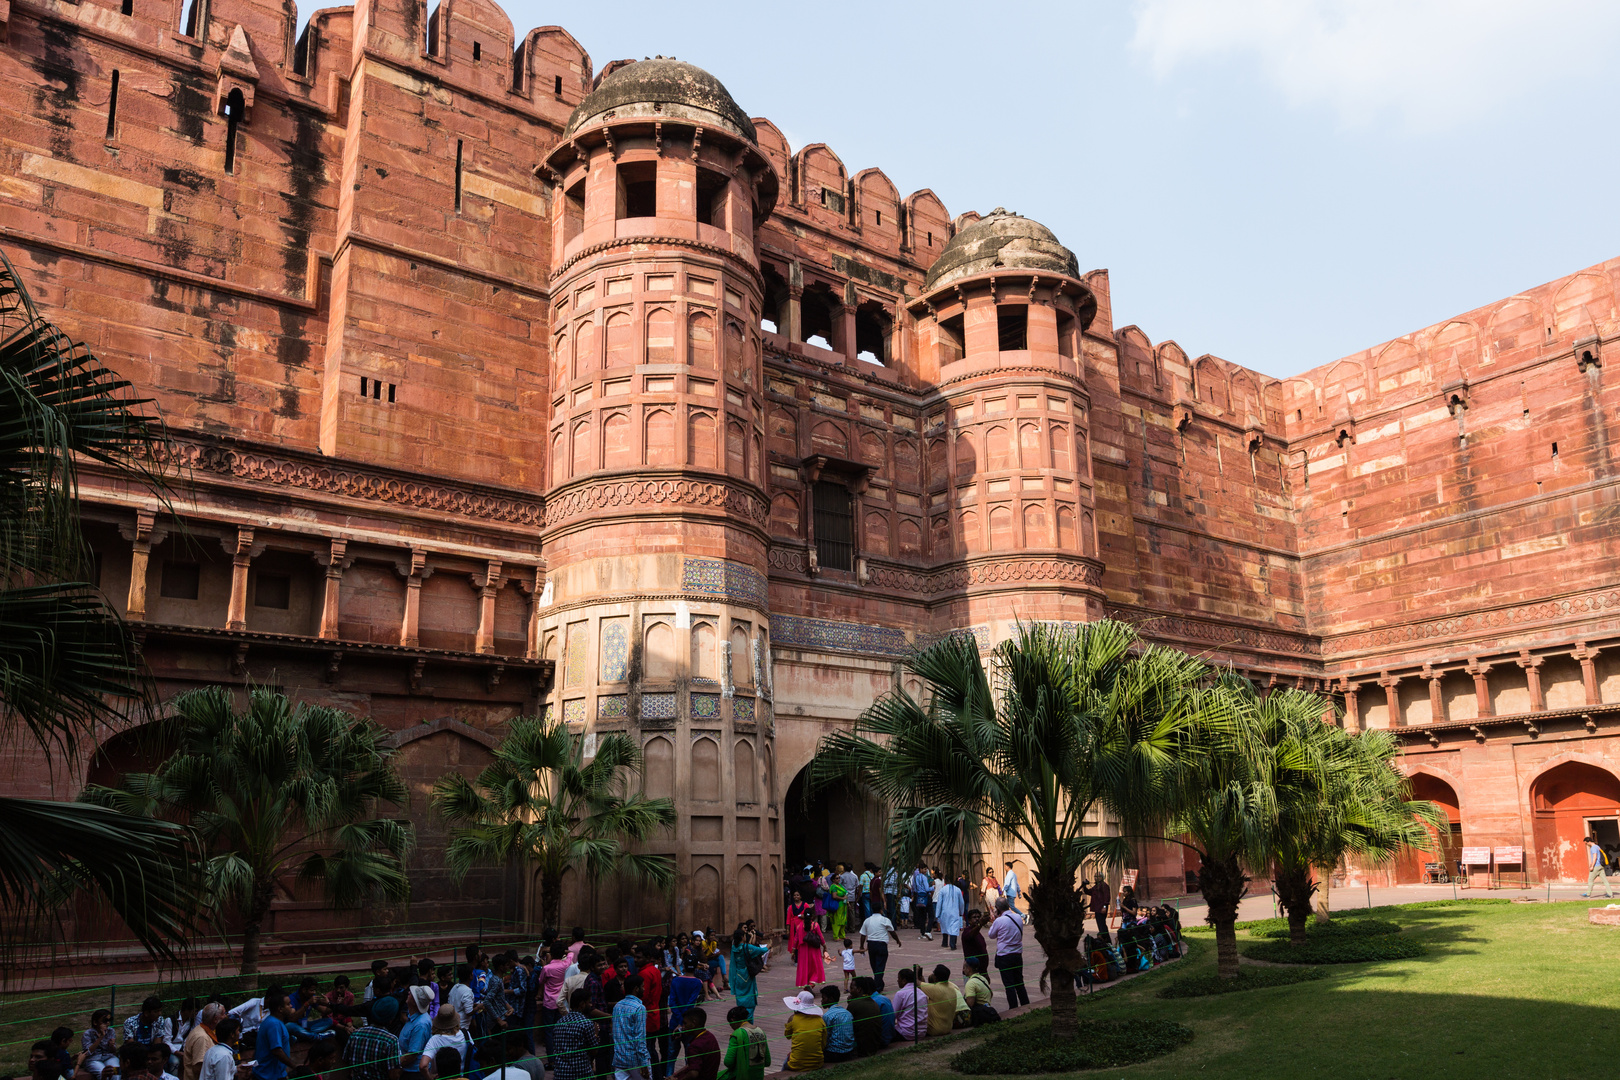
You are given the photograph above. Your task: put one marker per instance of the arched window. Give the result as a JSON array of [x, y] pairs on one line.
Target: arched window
[[618, 441], [706, 770], [584, 349], [1029, 447], [745, 771], [967, 457], [621, 340], [997, 449], [1060, 447], [661, 336], [583, 450], [1001, 529], [700, 340], [742, 662], [658, 652], [704, 668], [700, 448], [660, 428]]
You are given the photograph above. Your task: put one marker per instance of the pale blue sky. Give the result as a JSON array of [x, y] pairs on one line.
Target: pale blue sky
[[1278, 182]]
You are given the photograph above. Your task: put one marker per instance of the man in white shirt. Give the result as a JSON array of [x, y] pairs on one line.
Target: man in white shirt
[[876, 933], [1007, 931], [1009, 887], [248, 1014], [220, 1061], [461, 996]]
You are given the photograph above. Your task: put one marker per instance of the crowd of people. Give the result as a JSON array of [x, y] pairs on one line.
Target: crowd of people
[[630, 1009]]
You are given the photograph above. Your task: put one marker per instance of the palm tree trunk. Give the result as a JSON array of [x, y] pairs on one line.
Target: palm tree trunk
[[1058, 917], [253, 927], [1324, 909], [1294, 889], [1223, 884], [550, 900]]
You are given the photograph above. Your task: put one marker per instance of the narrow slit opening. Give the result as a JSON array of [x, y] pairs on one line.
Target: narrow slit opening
[[112, 103]]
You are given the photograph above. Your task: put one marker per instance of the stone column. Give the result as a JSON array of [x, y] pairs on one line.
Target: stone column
[[795, 315], [241, 560], [335, 565], [1437, 703], [1587, 656], [138, 560], [1532, 675], [487, 585], [1482, 688], [415, 572], [1352, 715], [1392, 694], [537, 594], [847, 332]]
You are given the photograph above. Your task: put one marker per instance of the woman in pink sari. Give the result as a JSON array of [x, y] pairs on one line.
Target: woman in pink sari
[[804, 937]]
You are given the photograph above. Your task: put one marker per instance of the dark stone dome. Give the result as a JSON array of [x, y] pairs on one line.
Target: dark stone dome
[[1001, 240], [663, 88]]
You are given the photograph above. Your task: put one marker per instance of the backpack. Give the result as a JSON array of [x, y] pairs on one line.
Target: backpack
[[812, 936], [1100, 969], [759, 1051], [754, 963]]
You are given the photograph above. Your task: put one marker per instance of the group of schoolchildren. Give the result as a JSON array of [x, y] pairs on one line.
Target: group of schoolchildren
[[1148, 935], [493, 1017]]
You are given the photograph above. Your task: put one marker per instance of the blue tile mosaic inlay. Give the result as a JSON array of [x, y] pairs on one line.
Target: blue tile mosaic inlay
[[801, 632], [658, 706], [728, 580], [612, 706], [705, 706], [742, 710], [574, 711], [615, 651]]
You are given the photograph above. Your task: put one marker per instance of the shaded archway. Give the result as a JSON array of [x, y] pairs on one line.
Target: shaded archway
[[1568, 802], [837, 825], [1409, 865]]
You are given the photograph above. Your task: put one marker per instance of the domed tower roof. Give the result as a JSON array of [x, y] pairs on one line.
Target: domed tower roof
[[663, 88], [1000, 240]]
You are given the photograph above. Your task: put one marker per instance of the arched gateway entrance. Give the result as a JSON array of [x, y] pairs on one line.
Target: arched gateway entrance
[[1447, 845], [1568, 803], [837, 825]]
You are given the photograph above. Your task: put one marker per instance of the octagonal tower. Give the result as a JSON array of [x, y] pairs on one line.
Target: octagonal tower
[[656, 607], [1001, 321]]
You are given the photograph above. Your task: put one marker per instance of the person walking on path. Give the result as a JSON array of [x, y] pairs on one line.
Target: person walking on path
[[922, 897], [747, 961], [1100, 895], [1007, 931], [1010, 887], [806, 940], [1599, 872], [949, 913], [877, 932]]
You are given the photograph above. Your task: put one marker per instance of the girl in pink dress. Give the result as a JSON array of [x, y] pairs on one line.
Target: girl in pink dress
[[804, 936]]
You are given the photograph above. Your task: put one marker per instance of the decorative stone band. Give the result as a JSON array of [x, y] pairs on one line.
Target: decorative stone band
[[367, 484], [673, 492], [1025, 570], [661, 241], [1174, 628], [1477, 622]]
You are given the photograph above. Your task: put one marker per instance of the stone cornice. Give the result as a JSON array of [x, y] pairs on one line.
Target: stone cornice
[[365, 483], [1220, 635], [1458, 628], [638, 491], [671, 241], [1027, 570]]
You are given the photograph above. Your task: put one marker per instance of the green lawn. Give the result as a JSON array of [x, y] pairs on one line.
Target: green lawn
[[1511, 990]]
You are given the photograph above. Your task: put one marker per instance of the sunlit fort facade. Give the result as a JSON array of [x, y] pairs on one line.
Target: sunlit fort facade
[[506, 384]]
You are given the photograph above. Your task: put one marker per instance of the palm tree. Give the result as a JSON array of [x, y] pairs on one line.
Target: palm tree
[[1232, 801], [68, 663], [1361, 808], [1066, 721], [542, 801], [280, 790]]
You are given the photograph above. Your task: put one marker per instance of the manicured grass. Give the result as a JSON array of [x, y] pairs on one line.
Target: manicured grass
[[1101, 1044], [1517, 990], [1248, 978], [1348, 949]]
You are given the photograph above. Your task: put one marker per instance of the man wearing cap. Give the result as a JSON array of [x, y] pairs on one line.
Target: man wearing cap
[[806, 1033], [414, 1036], [372, 1052]]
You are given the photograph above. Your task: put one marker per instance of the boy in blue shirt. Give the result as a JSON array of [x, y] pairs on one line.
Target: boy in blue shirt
[[840, 1027], [273, 1046]]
